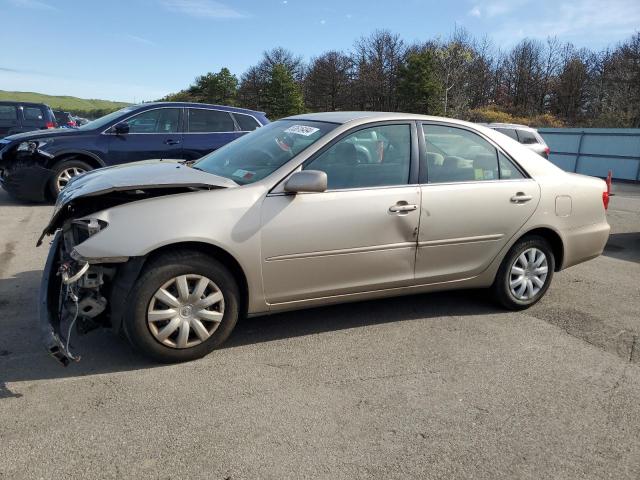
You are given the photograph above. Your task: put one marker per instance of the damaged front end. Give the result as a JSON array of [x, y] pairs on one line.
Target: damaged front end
[[24, 171], [73, 291], [85, 293]]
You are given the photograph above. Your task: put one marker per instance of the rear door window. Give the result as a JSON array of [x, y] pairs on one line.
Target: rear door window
[[527, 137], [33, 117], [246, 122], [8, 116], [508, 170], [209, 121], [458, 155]]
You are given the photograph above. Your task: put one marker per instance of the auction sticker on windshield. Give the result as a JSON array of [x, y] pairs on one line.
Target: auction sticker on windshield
[[302, 130], [244, 174]]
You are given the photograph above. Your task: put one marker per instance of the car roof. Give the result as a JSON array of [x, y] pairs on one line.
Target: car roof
[[198, 105], [366, 117], [14, 102]]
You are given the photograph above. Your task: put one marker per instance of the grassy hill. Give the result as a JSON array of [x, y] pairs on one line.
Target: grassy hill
[[71, 104]]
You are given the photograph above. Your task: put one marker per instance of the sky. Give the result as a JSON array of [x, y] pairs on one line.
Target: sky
[[134, 50]]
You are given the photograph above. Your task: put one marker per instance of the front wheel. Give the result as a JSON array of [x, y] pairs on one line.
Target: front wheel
[[525, 273], [63, 172], [182, 307]]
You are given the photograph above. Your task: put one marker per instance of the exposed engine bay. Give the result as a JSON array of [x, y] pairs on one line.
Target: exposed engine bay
[[79, 295], [76, 293]]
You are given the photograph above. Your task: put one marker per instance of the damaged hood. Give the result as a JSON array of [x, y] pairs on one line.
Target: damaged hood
[[42, 134], [140, 175], [127, 183]]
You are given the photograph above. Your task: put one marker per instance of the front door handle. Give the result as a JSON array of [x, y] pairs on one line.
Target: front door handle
[[521, 198], [402, 207], [171, 141]]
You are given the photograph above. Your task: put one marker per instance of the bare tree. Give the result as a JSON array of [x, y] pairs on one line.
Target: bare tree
[[377, 59], [455, 57], [328, 83]]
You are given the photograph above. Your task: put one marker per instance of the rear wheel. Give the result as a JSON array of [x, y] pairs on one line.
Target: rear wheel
[[182, 307], [525, 273], [64, 171]]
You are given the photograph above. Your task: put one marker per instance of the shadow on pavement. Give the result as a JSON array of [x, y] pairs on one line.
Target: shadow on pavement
[[624, 246], [22, 356], [8, 201]]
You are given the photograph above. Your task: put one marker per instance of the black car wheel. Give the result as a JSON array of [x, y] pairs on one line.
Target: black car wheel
[[525, 273], [65, 171], [183, 305]]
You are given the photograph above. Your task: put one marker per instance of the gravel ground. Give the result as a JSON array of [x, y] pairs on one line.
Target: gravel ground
[[430, 386]]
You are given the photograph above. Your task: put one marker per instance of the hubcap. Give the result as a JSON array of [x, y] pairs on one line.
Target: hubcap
[[67, 174], [185, 311], [528, 274]]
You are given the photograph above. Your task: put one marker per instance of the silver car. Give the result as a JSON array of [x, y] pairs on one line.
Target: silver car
[[527, 136], [310, 210]]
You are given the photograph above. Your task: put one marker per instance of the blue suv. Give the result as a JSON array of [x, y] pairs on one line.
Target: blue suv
[[37, 165]]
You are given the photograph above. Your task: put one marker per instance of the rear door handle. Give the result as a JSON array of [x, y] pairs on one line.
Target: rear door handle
[[171, 141], [402, 208], [521, 198]]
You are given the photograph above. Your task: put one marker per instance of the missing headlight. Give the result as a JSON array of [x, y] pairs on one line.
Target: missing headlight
[[84, 228]]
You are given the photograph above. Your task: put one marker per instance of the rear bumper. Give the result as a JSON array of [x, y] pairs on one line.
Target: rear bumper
[[585, 243]]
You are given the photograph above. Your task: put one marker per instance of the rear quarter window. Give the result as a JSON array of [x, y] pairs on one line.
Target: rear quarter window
[[509, 132], [246, 122], [527, 137], [209, 121], [33, 116]]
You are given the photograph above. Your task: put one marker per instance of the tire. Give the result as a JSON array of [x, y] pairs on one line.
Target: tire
[[502, 290], [147, 335], [69, 166]]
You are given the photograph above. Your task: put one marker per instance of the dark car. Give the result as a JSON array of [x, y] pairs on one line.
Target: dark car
[[64, 119], [19, 117], [36, 166]]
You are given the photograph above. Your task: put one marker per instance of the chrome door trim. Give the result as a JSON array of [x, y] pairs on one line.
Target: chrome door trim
[[105, 131], [479, 182], [456, 241], [340, 190], [186, 131], [345, 251]]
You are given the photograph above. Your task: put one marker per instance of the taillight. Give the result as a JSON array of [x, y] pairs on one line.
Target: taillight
[[50, 125], [607, 194], [72, 123], [547, 151]]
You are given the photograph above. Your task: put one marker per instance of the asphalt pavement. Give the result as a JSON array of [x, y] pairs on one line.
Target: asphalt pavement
[[431, 386]]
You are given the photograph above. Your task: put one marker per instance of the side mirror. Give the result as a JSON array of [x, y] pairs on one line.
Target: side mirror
[[121, 128], [306, 181]]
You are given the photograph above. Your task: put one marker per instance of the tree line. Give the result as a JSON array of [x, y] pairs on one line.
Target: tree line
[[541, 83]]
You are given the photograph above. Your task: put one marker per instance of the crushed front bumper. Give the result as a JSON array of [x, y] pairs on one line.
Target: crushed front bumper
[[49, 299], [25, 181]]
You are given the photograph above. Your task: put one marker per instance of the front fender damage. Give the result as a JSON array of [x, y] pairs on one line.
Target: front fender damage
[[49, 320], [72, 293], [92, 292]]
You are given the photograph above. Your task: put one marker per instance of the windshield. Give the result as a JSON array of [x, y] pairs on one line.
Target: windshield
[[261, 152], [103, 121]]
